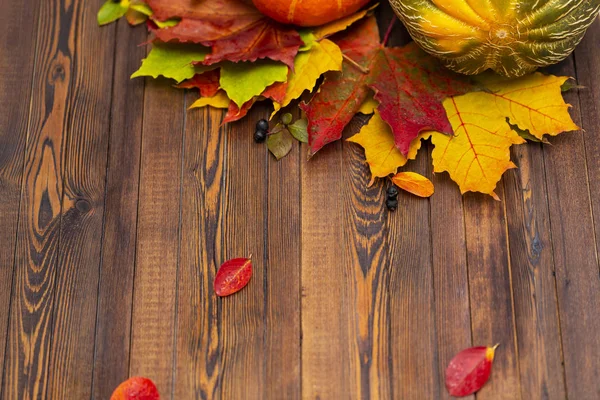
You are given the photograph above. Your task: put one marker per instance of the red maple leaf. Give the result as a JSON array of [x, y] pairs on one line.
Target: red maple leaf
[[408, 84], [341, 94], [235, 31], [207, 82], [410, 87]]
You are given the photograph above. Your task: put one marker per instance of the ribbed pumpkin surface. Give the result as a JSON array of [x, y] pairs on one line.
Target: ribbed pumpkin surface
[[509, 36], [308, 12]]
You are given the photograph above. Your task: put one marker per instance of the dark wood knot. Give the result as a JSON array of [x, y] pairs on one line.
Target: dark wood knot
[[83, 205]]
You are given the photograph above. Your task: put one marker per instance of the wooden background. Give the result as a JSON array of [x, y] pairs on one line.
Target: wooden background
[[117, 206]]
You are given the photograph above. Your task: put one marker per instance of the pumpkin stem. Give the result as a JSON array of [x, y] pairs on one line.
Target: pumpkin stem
[[389, 31], [356, 65]]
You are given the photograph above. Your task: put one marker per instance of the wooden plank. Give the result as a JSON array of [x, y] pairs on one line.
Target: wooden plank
[[534, 284], [111, 365], [587, 59], [76, 287], [367, 268], [283, 270], [346, 268], [491, 292], [50, 342], [244, 229], [450, 275], [19, 23], [575, 253], [326, 281], [412, 321], [158, 236], [411, 296], [198, 366]]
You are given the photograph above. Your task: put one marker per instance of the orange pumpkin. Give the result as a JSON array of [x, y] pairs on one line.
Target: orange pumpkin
[[308, 12]]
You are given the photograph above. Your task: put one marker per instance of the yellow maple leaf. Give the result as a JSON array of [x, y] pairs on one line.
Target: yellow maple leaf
[[381, 152], [219, 100], [479, 152], [533, 103], [322, 57], [369, 105], [414, 183], [341, 24]]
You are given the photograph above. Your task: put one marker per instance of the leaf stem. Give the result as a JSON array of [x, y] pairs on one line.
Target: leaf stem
[[388, 33], [356, 65]]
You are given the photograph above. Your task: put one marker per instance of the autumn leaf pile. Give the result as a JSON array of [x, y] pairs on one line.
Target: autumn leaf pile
[[235, 56]]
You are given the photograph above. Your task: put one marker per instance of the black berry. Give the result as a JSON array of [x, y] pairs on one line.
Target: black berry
[[262, 125], [391, 204], [260, 136], [392, 192]]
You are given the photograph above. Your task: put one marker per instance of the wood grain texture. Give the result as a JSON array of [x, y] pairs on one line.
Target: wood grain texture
[[244, 226], [283, 351], [325, 282], [19, 26], [575, 253], [198, 366], [587, 59], [158, 236], [118, 206], [450, 274], [412, 323], [412, 340], [367, 269], [50, 353], [111, 364], [490, 287], [533, 276], [71, 358]]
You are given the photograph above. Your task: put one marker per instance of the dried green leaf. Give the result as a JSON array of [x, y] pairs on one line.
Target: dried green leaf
[[280, 144], [111, 11], [299, 130], [242, 81]]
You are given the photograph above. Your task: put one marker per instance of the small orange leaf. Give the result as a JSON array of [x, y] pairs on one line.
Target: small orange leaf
[[136, 388], [414, 183], [233, 276]]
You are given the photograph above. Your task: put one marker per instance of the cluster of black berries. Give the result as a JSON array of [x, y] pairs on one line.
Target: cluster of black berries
[[262, 131], [392, 198]]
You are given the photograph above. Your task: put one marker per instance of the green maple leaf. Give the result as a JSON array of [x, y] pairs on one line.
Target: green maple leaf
[[112, 11], [242, 81], [173, 60]]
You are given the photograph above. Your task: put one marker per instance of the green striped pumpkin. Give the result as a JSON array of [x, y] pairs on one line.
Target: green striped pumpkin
[[511, 37]]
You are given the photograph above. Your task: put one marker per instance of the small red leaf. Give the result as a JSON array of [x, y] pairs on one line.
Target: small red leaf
[[136, 388], [207, 82], [469, 370], [233, 276]]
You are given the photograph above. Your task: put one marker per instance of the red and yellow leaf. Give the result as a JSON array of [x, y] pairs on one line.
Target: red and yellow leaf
[[136, 388], [341, 95], [233, 276], [409, 86], [414, 183], [469, 370]]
